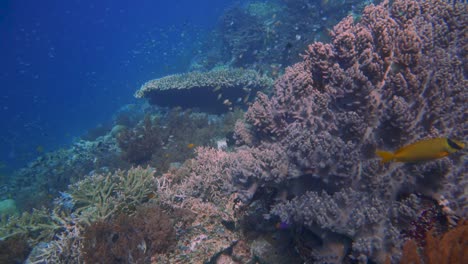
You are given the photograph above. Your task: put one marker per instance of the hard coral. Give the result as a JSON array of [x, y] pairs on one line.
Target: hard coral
[[213, 91], [381, 83], [393, 78], [101, 196]]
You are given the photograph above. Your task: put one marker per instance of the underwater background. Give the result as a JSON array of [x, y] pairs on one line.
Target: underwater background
[[68, 66], [280, 131]]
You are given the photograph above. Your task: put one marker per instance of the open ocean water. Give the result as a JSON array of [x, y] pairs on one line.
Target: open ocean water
[[67, 66]]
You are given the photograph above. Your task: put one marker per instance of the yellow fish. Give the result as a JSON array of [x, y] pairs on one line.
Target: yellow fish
[[190, 146], [427, 149], [40, 149]]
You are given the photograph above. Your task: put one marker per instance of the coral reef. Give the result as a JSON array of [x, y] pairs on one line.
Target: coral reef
[[128, 226], [450, 247], [161, 139], [37, 184], [38, 225], [392, 78], [100, 196], [165, 139], [214, 91], [129, 239], [302, 179], [140, 143], [242, 36], [269, 35], [14, 249]]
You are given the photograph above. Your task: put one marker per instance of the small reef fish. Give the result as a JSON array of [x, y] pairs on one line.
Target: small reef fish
[[190, 146], [427, 149], [282, 225], [39, 149]]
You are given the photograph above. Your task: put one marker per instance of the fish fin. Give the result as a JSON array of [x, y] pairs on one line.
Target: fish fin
[[385, 155], [442, 154]]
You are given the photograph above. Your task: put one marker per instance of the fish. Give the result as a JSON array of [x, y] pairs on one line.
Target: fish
[[423, 150], [190, 146], [282, 225], [39, 149]]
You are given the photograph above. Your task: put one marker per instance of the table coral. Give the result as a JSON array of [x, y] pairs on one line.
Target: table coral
[[214, 91]]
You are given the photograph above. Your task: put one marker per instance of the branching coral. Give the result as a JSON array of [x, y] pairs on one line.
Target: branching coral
[[28, 230], [393, 78], [372, 223], [37, 225], [379, 84], [100, 196], [203, 177]]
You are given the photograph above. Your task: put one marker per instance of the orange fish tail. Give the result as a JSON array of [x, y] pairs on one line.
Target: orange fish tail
[[385, 155]]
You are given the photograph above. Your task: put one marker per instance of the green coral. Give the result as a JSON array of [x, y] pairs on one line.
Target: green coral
[[39, 225], [102, 195]]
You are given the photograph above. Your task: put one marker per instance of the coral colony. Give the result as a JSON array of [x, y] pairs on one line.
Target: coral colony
[[293, 177]]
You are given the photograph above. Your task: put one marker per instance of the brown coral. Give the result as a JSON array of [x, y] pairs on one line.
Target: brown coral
[[129, 239], [451, 247], [139, 144]]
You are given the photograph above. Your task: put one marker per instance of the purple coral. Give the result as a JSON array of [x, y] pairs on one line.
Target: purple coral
[[380, 83], [395, 77]]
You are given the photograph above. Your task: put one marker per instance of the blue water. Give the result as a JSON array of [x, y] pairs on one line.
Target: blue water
[[66, 66]]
